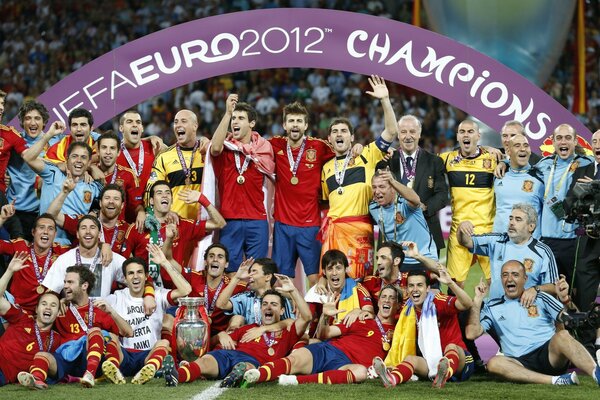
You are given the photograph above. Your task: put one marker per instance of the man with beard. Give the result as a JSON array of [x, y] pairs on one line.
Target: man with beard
[[237, 355], [111, 203], [442, 353], [346, 185], [87, 253], [298, 163], [189, 232], [395, 208], [533, 349], [80, 122], [80, 327], [26, 333], [517, 244], [344, 357], [108, 147], [181, 165], [520, 184], [26, 283], [423, 172], [33, 117]]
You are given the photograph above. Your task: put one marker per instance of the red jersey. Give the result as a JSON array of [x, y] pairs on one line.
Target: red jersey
[[146, 162], [19, 343], [363, 341], [119, 246], [24, 283], [283, 341], [70, 329], [374, 284], [57, 153], [126, 178], [9, 140], [447, 317], [298, 205], [218, 320], [188, 234], [239, 201]]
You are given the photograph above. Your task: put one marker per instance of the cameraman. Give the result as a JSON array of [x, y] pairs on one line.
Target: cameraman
[[587, 268]]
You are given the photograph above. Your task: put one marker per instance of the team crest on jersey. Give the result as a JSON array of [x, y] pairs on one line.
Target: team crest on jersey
[[532, 311], [487, 164], [87, 197], [311, 155], [430, 182], [119, 182], [574, 166], [527, 186], [120, 236], [528, 263], [400, 218]]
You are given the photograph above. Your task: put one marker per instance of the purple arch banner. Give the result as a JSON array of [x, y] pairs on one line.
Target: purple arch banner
[[308, 38]]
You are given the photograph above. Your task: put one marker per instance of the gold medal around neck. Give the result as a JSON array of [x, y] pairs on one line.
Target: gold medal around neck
[[271, 351], [40, 289], [294, 180], [386, 346], [188, 181], [240, 180]]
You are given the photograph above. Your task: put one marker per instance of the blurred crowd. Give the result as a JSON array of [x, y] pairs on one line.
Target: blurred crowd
[[41, 42]]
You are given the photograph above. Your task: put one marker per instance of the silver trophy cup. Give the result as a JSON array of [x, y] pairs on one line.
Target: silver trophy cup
[[191, 331]]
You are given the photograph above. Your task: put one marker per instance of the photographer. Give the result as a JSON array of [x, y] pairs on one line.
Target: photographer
[[587, 267]]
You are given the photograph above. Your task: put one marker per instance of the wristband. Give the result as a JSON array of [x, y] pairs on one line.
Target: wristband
[[204, 201]]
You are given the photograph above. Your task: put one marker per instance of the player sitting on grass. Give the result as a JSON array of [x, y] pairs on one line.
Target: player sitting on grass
[[344, 358], [240, 349], [431, 321], [534, 351]]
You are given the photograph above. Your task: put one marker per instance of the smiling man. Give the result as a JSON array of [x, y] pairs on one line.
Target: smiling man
[[236, 354], [80, 122], [520, 184], [182, 164], [534, 350], [423, 172], [346, 185], [242, 162], [442, 354], [345, 353]]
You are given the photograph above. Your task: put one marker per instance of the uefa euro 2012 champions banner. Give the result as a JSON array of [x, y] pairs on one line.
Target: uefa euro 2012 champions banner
[[308, 38]]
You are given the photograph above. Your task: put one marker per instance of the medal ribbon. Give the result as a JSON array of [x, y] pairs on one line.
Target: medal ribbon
[[36, 268], [38, 336], [113, 178], [382, 224], [211, 307], [80, 320], [269, 341], [409, 174], [140, 166], [94, 260], [241, 168], [380, 327], [339, 175], [114, 235], [187, 171], [294, 164]]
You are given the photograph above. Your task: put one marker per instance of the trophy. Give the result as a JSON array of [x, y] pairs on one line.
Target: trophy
[[191, 331]]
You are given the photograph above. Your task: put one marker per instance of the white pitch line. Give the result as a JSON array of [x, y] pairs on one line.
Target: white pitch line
[[211, 393]]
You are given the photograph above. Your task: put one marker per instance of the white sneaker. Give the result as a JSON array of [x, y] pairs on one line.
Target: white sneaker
[[87, 381], [252, 375], [288, 380]]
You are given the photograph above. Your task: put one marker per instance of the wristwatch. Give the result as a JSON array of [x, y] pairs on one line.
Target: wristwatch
[[537, 289]]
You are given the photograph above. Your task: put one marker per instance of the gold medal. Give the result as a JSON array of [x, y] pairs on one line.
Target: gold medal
[[240, 179], [40, 289], [386, 346], [340, 190], [294, 180], [271, 351], [188, 180]]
